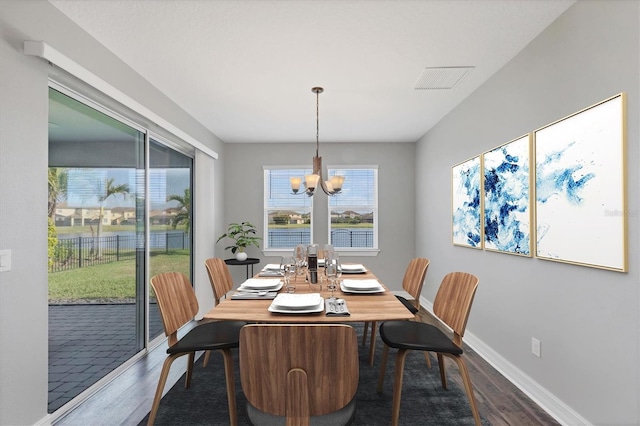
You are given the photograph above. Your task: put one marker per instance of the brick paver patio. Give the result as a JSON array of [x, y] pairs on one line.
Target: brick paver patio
[[86, 342]]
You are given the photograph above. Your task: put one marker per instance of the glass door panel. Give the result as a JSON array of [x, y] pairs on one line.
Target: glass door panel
[[97, 246], [170, 176]]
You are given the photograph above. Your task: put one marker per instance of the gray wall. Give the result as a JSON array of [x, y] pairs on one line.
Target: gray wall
[[587, 319], [582, 315], [396, 207], [23, 187]]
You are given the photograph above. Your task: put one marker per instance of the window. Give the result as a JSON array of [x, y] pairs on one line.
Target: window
[[353, 214], [288, 220]]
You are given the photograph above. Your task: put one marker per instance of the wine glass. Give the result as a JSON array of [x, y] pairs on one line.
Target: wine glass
[[300, 255], [327, 251], [331, 266], [339, 270], [288, 267]]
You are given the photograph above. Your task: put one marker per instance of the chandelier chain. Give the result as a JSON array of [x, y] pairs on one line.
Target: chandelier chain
[[317, 123]]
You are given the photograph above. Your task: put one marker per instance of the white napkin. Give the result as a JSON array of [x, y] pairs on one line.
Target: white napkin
[[336, 307]]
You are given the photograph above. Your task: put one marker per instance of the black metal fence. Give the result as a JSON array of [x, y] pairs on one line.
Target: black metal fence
[[288, 237], [352, 237], [341, 237], [79, 252]]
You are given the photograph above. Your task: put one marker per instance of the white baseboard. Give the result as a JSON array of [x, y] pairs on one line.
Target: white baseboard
[[45, 421], [541, 396]]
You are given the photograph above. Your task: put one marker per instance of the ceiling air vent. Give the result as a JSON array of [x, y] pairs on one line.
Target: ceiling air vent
[[441, 77]]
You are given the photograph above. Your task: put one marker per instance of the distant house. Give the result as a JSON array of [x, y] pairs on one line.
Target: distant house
[[161, 217], [80, 216], [123, 215], [287, 217], [350, 216]]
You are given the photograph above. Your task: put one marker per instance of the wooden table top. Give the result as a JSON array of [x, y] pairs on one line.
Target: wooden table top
[[363, 307]]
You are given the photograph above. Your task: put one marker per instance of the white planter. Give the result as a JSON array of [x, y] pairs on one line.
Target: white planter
[[241, 256]]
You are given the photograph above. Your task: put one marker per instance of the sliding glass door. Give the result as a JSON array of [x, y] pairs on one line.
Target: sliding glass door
[[119, 204], [169, 218]]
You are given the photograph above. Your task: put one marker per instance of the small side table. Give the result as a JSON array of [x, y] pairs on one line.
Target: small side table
[[250, 261]]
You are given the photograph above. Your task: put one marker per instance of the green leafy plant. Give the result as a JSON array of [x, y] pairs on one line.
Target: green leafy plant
[[52, 242], [243, 234]]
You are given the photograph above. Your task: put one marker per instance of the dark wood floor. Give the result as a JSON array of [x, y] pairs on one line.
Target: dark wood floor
[[127, 399], [499, 401]]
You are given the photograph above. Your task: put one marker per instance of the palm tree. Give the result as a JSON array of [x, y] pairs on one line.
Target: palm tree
[[184, 210], [110, 188], [58, 180]]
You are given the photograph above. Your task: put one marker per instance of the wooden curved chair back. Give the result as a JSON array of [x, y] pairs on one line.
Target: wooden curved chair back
[[298, 370], [176, 300], [219, 277], [414, 278], [453, 301]]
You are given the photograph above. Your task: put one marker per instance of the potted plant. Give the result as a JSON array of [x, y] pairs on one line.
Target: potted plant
[[244, 235]]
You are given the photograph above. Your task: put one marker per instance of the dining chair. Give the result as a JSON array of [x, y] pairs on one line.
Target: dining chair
[[299, 374], [219, 277], [411, 283], [178, 305], [221, 284], [451, 305]]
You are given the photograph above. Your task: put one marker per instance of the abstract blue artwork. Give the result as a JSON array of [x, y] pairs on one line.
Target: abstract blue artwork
[[507, 212], [466, 204], [580, 188]]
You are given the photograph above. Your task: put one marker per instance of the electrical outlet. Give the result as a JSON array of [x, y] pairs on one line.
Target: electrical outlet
[[5, 260], [535, 347]]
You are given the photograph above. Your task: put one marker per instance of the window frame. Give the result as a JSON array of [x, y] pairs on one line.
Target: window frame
[[357, 251], [281, 251]]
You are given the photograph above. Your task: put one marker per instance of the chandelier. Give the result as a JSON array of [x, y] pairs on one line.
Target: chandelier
[[332, 186]]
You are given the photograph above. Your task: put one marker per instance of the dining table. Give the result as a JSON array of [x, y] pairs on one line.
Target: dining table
[[361, 307]]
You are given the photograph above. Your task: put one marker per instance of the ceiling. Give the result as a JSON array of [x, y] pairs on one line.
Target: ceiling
[[245, 69]]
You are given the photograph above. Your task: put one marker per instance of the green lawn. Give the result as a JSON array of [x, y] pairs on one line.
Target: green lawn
[[111, 281]]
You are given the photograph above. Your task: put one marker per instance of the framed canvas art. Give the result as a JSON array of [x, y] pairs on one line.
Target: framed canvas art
[[466, 202], [580, 187], [507, 202]]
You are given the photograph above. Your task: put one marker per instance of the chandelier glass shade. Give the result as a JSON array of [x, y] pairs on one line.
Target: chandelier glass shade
[[311, 182]]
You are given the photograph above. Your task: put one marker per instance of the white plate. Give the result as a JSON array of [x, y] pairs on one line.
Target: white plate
[[362, 284], [348, 290], [276, 309], [353, 269], [276, 288], [260, 283], [271, 267], [363, 271], [297, 301]]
